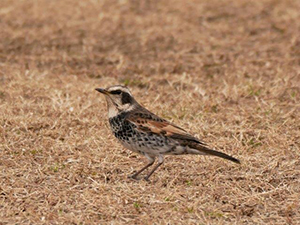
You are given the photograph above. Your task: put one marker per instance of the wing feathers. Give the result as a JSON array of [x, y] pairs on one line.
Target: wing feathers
[[159, 126]]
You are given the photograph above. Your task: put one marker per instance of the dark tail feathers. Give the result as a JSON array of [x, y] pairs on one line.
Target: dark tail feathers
[[216, 153]]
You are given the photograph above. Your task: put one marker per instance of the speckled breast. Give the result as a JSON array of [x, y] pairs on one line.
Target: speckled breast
[[138, 141], [121, 128]]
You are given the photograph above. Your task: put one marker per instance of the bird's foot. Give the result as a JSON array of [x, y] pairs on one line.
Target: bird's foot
[[146, 179], [134, 177]]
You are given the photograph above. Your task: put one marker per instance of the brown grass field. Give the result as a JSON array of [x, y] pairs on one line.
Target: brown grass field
[[226, 71]]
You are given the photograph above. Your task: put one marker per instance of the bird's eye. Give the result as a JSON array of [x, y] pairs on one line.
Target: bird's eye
[[117, 92]]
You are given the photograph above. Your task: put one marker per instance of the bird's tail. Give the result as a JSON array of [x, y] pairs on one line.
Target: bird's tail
[[206, 151]]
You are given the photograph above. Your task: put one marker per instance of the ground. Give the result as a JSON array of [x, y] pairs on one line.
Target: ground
[[226, 71]]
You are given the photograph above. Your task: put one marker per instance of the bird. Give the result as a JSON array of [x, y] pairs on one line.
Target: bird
[[143, 132]]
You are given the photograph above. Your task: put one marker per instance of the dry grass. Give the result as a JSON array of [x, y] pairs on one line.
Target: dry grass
[[227, 71]]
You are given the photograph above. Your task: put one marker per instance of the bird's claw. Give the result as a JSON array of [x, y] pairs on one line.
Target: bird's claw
[[134, 177], [138, 178]]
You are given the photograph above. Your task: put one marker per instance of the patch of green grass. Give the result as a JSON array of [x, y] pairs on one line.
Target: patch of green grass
[[94, 76], [252, 143], [190, 210], [215, 109], [136, 205], [134, 82], [33, 152], [56, 167], [253, 92], [167, 115], [214, 214], [2, 95], [268, 112], [189, 183], [293, 94]]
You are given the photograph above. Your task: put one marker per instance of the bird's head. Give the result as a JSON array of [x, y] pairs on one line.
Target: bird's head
[[119, 99]]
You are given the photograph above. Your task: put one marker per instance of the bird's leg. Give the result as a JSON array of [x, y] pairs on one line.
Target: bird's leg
[[151, 161], [160, 161]]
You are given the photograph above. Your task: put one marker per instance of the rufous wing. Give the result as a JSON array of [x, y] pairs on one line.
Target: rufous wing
[[159, 126]]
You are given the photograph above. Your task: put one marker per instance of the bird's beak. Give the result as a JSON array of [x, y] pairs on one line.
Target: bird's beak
[[102, 90]]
